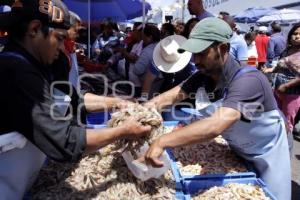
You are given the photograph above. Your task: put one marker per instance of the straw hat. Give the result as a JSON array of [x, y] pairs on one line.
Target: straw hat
[[166, 56]]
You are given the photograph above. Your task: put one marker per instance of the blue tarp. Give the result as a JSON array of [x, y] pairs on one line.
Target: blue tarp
[[118, 10], [251, 15], [4, 9]]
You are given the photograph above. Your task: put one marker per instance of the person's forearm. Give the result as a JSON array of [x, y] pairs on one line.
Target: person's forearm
[[293, 83], [201, 131], [97, 138], [95, 103], [170, 97], [197, 132], [132, 58], [270, 51], [148, 82]]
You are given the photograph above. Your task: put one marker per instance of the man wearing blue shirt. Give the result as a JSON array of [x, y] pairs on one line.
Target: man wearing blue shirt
[[196, 8], [238, 45], [277, 43]]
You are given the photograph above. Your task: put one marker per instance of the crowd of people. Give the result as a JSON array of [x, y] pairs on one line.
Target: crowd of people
[[45, 98], [261, 48]]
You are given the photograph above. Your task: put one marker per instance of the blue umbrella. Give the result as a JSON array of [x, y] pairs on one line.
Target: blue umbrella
[[117, 10], [5, 9], [251, 15], [281, 16]]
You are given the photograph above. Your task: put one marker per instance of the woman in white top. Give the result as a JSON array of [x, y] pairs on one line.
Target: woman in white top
[[252, 51]]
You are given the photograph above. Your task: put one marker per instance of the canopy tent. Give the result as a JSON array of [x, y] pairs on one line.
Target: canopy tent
[[281, 16], [117, 10], [251, 15]]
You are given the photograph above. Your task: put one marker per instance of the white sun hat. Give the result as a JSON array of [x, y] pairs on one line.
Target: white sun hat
[[166, 57]]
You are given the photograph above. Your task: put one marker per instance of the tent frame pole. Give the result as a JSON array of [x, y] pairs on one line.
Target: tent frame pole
[[89, 28]]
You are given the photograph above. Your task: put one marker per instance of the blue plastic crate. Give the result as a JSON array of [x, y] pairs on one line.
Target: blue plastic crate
[[96, 126], [251, 172], [97, 118], [93, 126], [193, 186], [179, 195], [179, 181], [171, 123]]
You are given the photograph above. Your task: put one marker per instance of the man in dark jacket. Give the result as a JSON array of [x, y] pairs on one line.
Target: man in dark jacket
[[33, 113]]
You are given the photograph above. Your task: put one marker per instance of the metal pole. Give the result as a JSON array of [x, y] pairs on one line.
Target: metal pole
[[144, 11], [183, 9], [89, 28]]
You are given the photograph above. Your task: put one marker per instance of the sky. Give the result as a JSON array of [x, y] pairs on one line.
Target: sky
[[162, 3]]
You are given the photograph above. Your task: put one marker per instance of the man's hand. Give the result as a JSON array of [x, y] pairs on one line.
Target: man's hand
[[120, 50], [282, 88], [153, 154], [267, 70], [123, 104], [152, 104], [134, 129]]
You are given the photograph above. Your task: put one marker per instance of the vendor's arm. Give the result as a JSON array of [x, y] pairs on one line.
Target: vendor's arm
[[179, 92], [293, 83], [148, 82], [197, 132], [95, 103], [97, 138], [170, 97], [132, 58], [43, 122]]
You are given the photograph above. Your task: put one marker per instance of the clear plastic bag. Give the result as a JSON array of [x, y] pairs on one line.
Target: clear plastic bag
[[202, 100], [144, 171]]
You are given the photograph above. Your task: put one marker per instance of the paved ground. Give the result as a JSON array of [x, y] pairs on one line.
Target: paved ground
[[296, 171]]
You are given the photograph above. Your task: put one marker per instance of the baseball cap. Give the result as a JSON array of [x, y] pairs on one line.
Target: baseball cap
[[263, 29], [53, 13], [205, 33]]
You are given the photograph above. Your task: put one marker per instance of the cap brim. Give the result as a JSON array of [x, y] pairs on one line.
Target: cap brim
[[195, 45]]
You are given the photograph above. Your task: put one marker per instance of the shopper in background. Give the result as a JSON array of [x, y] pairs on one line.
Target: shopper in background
[[98, 48], [261, 42], [151, 36], [166, 30], [190, 24], [286, 81], [238, 45], [196, 8], [179, 26], [277, 43], [252, 51]]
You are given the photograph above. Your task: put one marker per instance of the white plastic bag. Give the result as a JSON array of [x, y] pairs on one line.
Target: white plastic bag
[[143, 171], [11, 141]]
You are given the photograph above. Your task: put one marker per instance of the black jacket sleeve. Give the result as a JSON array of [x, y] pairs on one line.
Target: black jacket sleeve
[[29, 108]]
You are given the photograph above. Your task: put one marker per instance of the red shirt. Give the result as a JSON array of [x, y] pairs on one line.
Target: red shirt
[[262, 46]]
